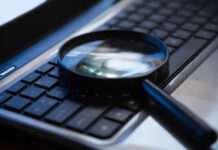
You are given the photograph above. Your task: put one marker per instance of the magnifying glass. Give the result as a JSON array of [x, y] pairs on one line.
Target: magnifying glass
[[118, 61]]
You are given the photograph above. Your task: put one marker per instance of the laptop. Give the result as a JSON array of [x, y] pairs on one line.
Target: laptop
[[39, 109]]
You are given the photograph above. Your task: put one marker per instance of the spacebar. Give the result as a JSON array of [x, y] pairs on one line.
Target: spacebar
[[184, 53]]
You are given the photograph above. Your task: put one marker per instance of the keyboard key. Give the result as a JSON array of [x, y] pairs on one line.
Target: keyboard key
[[136, 17], [59, 93], [158, 17], [63, 111], [174, 4], [31, 77], [182, 34], [104, 128], [16, 87], [17, 103], [185, 12], [54, 73], [130, 103], [198, 20], [177, 19], [154, 4], [53, 61], [206, 13], [149, 24], [32, 92], [211, 27], [40, 107], [168, 26], [130, 8], [80, 97], [192, 6], [205, 34], [45, 68], [166, 11], [46, 82], [4, 96], [190, 27], [160, 33], [88, 115], [126, 24], [145, 11], [184, 53], [122, 14], [119, 114], [175, 42]]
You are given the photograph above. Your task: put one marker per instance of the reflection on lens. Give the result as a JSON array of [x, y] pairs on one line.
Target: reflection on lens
[[114, 59]]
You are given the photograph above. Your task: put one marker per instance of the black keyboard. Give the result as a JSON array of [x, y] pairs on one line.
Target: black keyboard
[[186, 28], [42, 96]]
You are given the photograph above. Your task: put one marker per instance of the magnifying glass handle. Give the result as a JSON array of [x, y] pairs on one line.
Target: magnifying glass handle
[[183, 119]]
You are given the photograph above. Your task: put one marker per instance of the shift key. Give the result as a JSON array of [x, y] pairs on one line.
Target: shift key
[[184, 53]]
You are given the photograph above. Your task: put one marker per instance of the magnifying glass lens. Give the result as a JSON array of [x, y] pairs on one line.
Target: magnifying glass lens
[[114, 58]]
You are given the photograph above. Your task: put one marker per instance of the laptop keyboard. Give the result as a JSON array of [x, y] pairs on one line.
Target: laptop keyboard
[[185, 27]]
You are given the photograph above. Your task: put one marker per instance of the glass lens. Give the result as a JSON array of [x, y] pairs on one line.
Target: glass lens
[[114, 58]]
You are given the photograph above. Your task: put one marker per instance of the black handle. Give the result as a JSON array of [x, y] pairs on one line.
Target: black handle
[[182, 117]]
